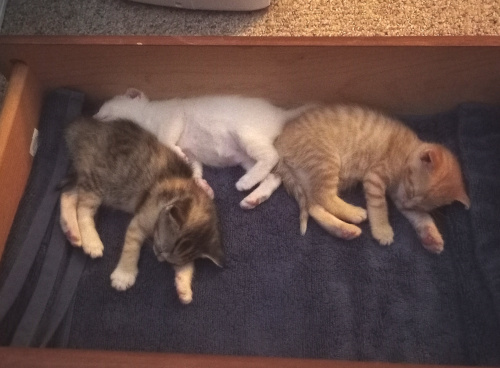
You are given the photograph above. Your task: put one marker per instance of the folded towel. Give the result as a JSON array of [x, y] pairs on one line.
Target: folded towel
[[316, 296], [39, 273]]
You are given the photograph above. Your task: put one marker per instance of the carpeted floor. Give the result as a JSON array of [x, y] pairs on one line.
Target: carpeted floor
[[282, 18]]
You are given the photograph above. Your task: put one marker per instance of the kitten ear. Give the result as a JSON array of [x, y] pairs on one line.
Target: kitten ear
[[134, 93], [216, 256], [431, 157], [179, 210], [463, 198]]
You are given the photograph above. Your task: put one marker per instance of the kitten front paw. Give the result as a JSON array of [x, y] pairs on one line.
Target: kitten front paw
[[383, 234], [431, 239], [185, 296], [183, 290], [203, 184], [180, 153], [122, 280]]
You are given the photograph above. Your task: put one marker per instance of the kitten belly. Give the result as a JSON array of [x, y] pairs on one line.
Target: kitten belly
[[350, 178], [348, 183], [220, 151], [215, 158]]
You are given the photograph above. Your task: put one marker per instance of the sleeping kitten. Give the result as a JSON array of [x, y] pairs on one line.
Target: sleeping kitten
[[122, 166], [217, 131], [329, 149]]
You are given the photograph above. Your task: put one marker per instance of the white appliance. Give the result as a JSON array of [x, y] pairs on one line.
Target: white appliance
[[227, 5], [3, 4]]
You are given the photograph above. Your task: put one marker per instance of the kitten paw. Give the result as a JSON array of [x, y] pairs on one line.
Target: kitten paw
[[94, 250], [248, 203], [92, 244], [180, 153], [122, 280], [185, 296], [183, 290], [384, 235], [71, 232], [245, 183], [350, 232], [74, 239], [333, 225], [431, 239], [203, 184], [358, 215]]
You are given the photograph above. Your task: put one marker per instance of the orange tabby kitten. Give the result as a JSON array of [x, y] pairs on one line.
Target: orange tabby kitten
[[329, 149]]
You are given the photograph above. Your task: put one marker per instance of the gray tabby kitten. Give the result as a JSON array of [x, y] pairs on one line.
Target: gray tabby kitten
[[122, 166]]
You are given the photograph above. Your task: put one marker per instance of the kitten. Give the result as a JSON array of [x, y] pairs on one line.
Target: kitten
[[122, 166], [217, 131], [329, 149]]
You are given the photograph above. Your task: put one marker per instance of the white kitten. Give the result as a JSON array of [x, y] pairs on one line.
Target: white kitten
[[217, 131]]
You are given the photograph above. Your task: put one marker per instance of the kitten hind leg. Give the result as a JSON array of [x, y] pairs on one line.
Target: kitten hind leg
[[332, 224], [267, 187], [343, 210], [88, 203], [265, 156], [183, 280], [324, 179], [68, 218]]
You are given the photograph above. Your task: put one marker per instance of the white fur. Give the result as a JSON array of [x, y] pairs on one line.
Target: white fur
[[217, 131], [262, 192]]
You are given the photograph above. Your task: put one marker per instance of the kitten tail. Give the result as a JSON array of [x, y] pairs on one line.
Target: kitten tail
[[304, 216], [294, 188], [295, 113]]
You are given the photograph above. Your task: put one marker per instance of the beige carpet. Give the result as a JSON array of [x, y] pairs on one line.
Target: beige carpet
[[282, 18]]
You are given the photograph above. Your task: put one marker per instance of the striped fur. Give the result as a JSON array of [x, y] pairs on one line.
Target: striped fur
[[120, 165], [329, 149]]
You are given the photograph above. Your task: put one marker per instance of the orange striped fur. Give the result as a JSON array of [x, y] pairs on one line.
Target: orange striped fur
[[329, 149]]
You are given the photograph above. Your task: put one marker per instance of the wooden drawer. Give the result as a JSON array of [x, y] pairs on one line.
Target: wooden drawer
[[401, 75]]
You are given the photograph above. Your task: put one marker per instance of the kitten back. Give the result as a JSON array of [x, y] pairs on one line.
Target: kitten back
[[118, 145]]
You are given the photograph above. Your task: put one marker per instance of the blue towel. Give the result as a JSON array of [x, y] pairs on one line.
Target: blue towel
[[316, 296]]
